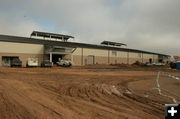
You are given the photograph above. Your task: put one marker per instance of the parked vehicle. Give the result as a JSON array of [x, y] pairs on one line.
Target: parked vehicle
[[65, 63], [16, 62], [154, 64], [159, 64], [46, 63], [148, 64], [32, 62], [173, 65]]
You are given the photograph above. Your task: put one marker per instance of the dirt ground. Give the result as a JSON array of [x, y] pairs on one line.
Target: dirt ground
[[91, 92]]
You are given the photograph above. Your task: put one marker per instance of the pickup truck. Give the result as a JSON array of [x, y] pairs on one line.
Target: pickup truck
[[64, 63], [46, 63], [16, 62]]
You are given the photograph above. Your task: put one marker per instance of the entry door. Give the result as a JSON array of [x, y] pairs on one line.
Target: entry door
[[90, 59], [55, 58], [150, 60]]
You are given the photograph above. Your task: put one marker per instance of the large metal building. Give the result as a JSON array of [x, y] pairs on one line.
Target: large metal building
[[51, 46]]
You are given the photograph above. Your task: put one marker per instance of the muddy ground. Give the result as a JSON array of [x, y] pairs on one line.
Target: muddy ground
[[99, 92]]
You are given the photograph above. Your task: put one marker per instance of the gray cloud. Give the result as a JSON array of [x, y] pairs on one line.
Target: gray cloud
[[143, 24], [16, 26]]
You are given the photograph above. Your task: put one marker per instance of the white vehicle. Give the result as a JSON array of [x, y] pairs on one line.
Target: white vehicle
[[159, 64], [148, 64], [32, 62], [65, 63]]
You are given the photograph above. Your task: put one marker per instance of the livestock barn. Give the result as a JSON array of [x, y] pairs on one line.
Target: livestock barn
[[50, 46]]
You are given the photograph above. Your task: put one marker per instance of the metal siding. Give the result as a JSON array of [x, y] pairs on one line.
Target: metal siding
[[7, 38], [7, 47], [90, 59], [95, 52]]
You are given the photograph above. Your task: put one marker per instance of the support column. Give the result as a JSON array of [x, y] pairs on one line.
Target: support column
[[50, 57], [63, 39]]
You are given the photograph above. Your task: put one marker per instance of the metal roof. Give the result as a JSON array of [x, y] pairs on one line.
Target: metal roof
[[51, 35], [112, 43], [17, 39]]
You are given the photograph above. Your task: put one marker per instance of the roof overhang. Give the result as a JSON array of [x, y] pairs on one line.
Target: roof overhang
[[50, 35]]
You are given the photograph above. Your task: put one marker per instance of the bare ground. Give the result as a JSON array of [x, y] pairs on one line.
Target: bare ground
[[83, 93]]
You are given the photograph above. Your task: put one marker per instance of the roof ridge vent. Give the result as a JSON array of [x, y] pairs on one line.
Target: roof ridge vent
[[51, 36], [110, 43]]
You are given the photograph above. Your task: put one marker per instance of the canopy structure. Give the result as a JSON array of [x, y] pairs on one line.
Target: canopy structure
[[51, 35], [112, 43]]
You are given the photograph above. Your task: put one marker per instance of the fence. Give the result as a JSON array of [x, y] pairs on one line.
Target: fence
[[168, 85]]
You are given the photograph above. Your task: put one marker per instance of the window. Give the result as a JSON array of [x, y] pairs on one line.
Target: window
[[114, 53], [139, 55]]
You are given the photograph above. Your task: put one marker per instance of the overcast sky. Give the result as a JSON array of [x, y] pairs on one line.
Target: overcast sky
[[151, 25]]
